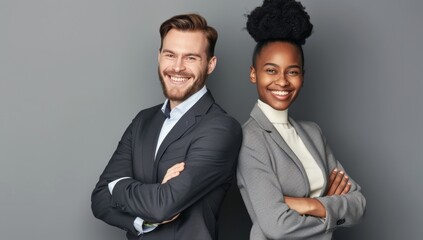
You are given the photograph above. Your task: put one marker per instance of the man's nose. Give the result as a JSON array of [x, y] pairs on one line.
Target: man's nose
[[178, 65]]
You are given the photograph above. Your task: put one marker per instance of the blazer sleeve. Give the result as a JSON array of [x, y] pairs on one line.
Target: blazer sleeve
[[264, 197], [342, 210], [119, 166], [210, 163]]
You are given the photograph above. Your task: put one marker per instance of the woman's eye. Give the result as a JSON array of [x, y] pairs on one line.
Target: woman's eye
[[293, 73], [271, 71]]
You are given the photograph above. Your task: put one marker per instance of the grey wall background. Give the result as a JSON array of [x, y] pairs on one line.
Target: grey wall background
[[74, 73]]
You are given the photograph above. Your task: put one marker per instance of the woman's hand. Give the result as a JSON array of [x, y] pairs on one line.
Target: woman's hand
[[338, 183], [306, 206]]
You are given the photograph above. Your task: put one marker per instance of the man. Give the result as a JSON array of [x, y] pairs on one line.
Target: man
[[169, 174]]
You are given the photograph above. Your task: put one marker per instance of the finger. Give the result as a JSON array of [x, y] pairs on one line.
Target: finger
[[176, 167], [347, 188], [173, 171], [336, 182], [342, 185], [167, 178], [175, 217], [332, 176], [170, 176], [170, 220], [180, 166]]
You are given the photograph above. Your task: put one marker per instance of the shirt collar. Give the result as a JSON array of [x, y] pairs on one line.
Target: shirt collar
[[184, 106], [274, 116]]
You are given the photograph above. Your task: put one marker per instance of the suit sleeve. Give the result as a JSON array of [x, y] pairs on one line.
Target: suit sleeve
[[119, 166], [264, 197], [342, 210], [209, 163]]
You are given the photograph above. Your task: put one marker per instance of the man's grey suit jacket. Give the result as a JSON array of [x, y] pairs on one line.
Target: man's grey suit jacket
[[206, 139]]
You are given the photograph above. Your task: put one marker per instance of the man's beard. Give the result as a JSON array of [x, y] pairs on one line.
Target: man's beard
[[179, 95]]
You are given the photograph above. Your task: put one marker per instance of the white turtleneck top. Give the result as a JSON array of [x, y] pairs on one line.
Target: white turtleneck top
[[279, 119]]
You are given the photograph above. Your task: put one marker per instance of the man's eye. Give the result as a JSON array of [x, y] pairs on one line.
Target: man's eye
[[191, 59]]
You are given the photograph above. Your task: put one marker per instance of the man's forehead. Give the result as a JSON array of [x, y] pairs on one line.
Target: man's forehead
[[186, 41]]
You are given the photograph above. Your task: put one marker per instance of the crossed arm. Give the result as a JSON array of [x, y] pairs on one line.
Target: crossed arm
[[338, 185], [209, 163], [173, 172], [279, 216]]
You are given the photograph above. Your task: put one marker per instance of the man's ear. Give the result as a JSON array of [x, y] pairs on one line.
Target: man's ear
[[211, 65], [253, 78]]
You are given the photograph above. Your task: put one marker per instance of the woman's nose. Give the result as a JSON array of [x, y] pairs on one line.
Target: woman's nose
[[282, 80]]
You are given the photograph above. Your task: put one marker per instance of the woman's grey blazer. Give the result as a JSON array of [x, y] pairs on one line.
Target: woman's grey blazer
[[268, 170]]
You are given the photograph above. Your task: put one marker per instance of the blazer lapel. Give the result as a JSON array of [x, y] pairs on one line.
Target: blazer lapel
[[184, 124], [266, 125], [148, 137], [311, 147]]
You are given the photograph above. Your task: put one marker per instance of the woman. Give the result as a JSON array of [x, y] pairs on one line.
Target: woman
[[291, 184]]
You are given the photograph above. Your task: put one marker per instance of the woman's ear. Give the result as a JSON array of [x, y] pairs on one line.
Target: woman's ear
[[253, 78]]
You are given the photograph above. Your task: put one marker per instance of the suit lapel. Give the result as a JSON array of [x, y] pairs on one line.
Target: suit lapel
[[149, 136], [311, 147], [186, 122], [266, 125]]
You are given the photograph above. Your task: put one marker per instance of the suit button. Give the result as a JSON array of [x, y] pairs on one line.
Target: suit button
[[340, 221]]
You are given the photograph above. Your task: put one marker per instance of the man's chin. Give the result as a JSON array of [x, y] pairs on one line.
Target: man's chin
[[177, 97], [180, 95]]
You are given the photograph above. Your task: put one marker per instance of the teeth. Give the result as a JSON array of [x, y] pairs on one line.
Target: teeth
[[280, 93], [178, 79]]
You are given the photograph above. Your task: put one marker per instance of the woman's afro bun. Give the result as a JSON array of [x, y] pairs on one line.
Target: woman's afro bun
[[280, 19]]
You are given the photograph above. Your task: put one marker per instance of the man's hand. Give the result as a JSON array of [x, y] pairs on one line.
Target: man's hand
[[164, 222], [338, 183], [170, 220], [173, 171]]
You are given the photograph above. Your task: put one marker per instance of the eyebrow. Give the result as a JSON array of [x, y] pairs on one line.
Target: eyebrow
[[185, 55], [275, 65]]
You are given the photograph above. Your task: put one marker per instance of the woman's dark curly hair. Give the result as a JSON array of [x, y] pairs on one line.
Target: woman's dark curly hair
[[279, 20]]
